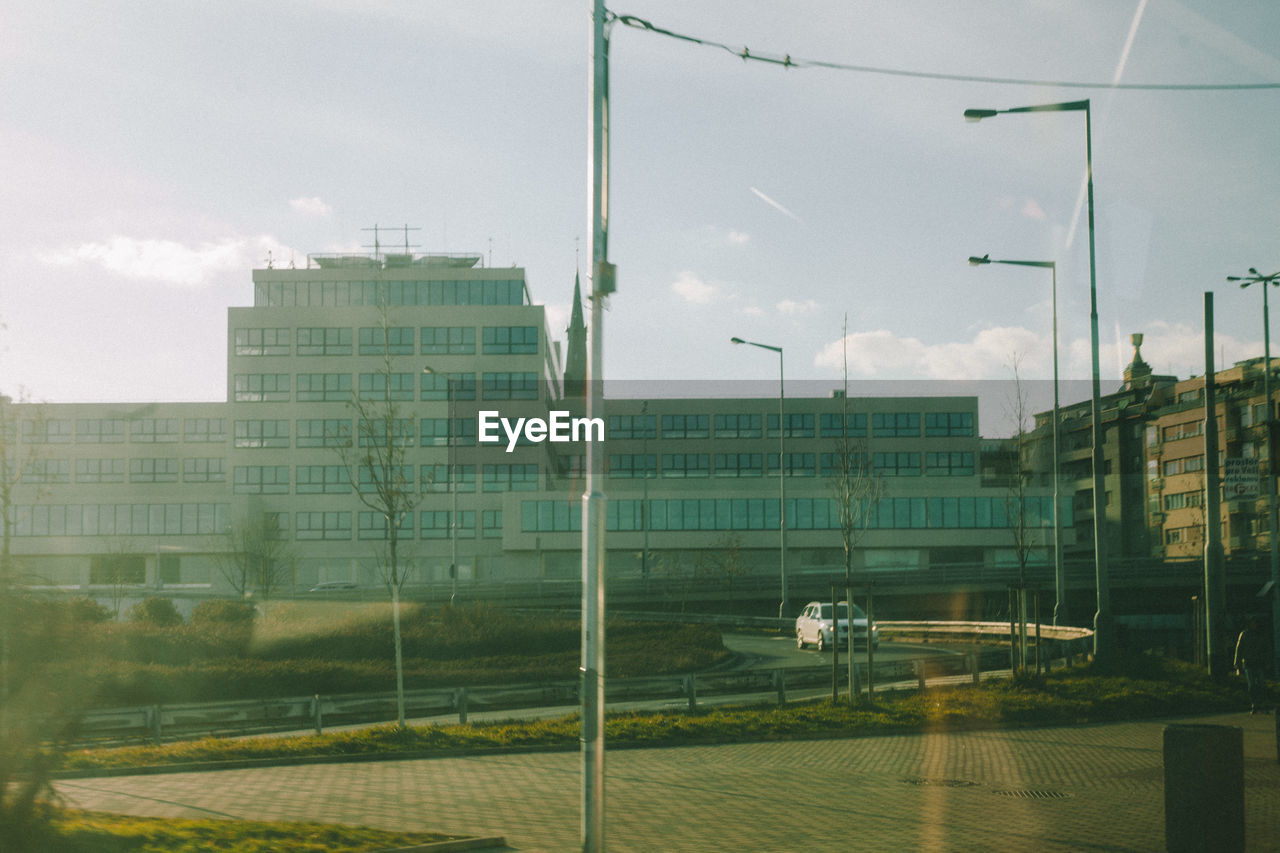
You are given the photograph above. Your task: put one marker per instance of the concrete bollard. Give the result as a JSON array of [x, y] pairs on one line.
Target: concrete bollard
[[691, 691], [460, 701], [316, 715], [1203, 789], [780, 684], [919, 666], [975, 666]]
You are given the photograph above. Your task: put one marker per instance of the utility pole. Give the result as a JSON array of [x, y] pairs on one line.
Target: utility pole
[[591, 671]]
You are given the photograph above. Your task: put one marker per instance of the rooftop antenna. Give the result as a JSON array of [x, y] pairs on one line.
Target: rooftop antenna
[[291, 264], [409, 247], [377, 244], [271, 264], [491, 251]]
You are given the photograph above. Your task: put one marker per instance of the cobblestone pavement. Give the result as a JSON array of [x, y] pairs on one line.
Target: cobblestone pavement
[[1087, 788]]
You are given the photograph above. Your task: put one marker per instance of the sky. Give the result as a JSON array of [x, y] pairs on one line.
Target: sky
[[153, 153]]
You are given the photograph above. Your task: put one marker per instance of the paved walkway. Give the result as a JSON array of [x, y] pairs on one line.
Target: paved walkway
[[1088, 788]]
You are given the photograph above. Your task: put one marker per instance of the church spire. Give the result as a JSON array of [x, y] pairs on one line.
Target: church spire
[[575, 364]]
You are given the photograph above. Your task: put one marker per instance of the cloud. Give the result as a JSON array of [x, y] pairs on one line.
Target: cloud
[[169, 261], [310, 206], [775, 205], [1032, 210], [694, 290], [753, 311], [989, 355], [1174, 349], [738, 238], [790, 306]]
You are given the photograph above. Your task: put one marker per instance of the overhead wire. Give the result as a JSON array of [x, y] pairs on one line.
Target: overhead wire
[[788, 61]]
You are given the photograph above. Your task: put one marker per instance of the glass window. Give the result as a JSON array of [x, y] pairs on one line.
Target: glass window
[[739, 464], [686, 426], [799, 425], [895, 424], [261, 387], [738, 426], [273, 341], [261, 480], [384, 386], [686, 465], [204, 470], [948, 424], [633, 426], [896, 464], [448, 340], [100, 431], [833, 425], [324, 387], [510, 340], [153, 430], [202, 430], [263, 433], [324, 341], [323, 432], [394, 340]]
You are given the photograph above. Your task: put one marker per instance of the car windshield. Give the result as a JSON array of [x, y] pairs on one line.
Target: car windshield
[[844, 611]]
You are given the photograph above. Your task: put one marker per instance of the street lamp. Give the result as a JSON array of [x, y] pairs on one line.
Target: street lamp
[[453, 485], [782, 472], [1102, 618], [1060, 581], [1254, 277]]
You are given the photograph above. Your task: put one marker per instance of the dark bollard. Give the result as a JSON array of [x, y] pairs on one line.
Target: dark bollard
[[691, 691], [1203, 789], [460, 700], [780, 684]]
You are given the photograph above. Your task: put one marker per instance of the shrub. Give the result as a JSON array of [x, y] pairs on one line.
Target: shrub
[[155, 611], [86, 610], [222, 610]]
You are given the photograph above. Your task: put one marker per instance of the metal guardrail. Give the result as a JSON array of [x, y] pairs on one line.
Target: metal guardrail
[[258, 716]]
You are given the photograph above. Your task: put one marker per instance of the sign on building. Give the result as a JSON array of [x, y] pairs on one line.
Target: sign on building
[[1241, 480]]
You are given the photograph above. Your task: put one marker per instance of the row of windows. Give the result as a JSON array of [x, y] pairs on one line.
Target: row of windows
[[719, 514], [334, 479], [114, 430], [337, 387], [165, 470], [675, 465], [336, 432], [393, 340], [430, 524], [185, 519], [340, 294], [794, 425]]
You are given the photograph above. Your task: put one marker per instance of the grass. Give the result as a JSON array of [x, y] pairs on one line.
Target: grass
[[93, 832], [1144, 687]]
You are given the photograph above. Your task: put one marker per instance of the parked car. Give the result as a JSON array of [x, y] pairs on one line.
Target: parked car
[[814, 626], [330, 586]]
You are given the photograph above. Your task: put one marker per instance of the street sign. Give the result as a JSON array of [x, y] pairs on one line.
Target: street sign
[[1241, 480]]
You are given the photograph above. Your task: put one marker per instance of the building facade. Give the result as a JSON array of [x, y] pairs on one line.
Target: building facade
[[148, 494]]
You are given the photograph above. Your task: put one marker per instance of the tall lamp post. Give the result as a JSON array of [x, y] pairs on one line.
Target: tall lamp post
[[1060, 581], [1102, 618], [453, 486], [1254, 277], [782, 472]]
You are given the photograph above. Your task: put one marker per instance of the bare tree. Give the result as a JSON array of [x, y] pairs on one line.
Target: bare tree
[[1022, 526], [253, 555], [120, 569], [382, 481], [855, 490], [723, 562]]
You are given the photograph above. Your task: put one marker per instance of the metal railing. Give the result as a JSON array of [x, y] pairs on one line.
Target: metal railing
[[300, 713]]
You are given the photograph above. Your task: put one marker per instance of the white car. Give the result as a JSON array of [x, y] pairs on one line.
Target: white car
[[814, 626]]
